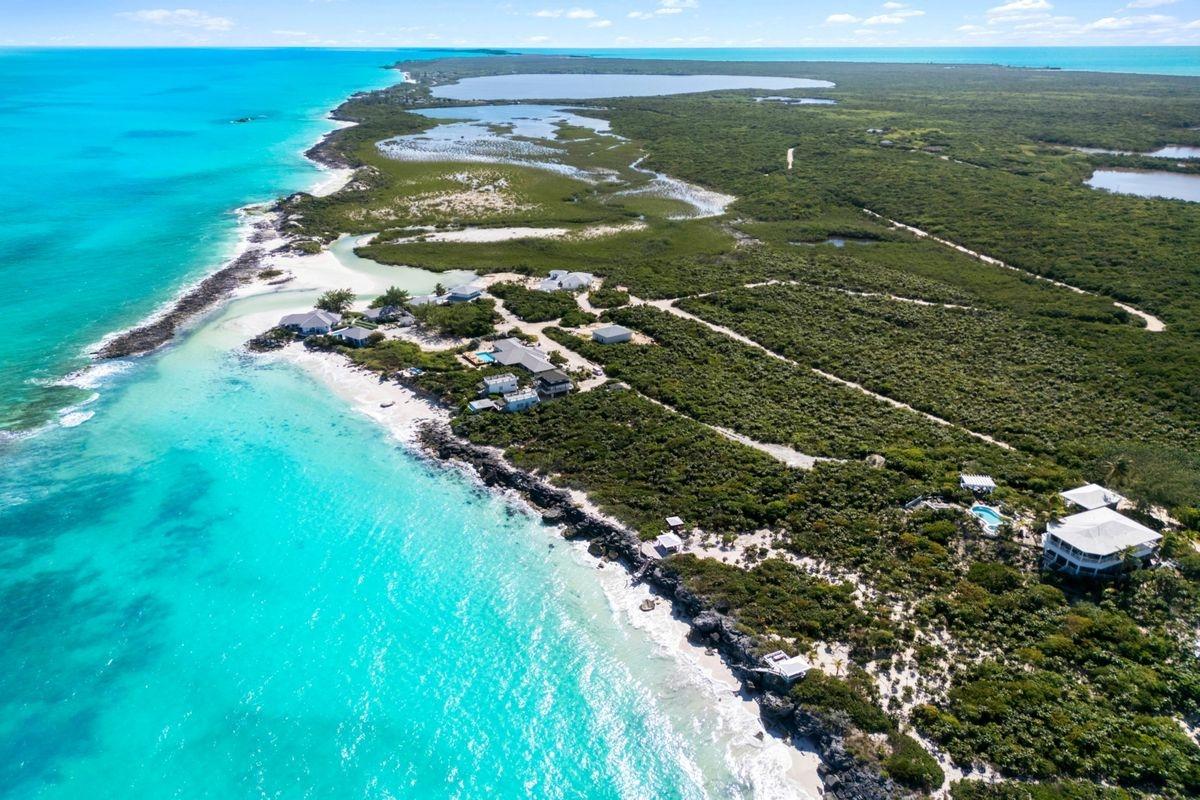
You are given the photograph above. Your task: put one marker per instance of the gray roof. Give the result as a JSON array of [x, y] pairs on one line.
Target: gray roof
[[610, 331], [311, 319], [466, 290], [511, 352], [554, 376], [354, 333], [503, 377], [481, 405]]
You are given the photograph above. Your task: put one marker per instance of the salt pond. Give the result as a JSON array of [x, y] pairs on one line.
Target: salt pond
[[1147, 183], [797, 101], [583, 87]]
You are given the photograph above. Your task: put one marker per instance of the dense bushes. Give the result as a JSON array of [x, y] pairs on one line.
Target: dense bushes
[[466, 320], [532, 305]]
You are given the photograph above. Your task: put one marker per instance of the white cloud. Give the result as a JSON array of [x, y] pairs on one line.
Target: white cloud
[[581, 13], [1150, 3], [1122, 23], [1019, 6], [893, 6], [668, 10], [679, 3], [842, 19], [536, 39], [665, 8], [1194, 24], [179, 18], [640, 15], [895, 18], [551, 13], [600, 23]]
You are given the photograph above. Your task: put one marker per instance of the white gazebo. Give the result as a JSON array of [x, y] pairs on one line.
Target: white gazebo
[[1096, 542], [980, 484], [790, 668]]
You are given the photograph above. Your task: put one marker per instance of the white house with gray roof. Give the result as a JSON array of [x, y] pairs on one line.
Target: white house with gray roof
[[1096, 542], [500, 384], [317, 321], [612, 334], [521, 400], [354, 335], [565, 280], [514, 353]]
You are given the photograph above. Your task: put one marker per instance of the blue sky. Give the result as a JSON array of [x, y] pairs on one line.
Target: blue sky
[[611, 23]]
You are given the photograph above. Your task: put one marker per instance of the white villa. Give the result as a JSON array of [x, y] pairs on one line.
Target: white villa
[[1096, 542], [521, 400], [563, 279], [511, 352], [354, 335], [1092, 496], [500, 384], [310, 322]]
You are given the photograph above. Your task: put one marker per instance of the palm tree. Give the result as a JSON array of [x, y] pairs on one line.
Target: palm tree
[[1117, 471]]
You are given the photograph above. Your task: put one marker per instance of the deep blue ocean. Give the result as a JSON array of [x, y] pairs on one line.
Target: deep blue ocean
[[218, 578]]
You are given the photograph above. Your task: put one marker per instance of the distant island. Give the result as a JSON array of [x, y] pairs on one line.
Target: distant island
[[891, 404]]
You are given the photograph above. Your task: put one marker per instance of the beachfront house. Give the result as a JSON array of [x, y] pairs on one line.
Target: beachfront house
[[464, 294], [553, 383], [1092, 495], [979, 484], [1096, 543], [512, 352], [790, 668], [354, 335], [485, 404], [312, 322], [612, 334], [521, 400], [561, 279], [389, 314], [500, 384], [668, 543]]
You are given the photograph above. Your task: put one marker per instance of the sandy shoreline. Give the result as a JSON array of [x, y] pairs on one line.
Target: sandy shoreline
[[400, 412]]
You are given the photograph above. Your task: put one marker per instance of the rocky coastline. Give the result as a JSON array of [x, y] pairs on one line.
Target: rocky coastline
[[843, 775]]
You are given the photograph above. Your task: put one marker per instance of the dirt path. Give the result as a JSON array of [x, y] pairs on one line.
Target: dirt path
[[895, 297], [791, 155], [670, 308], [1153, 323]]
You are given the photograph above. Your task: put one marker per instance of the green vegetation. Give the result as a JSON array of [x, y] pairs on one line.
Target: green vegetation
[[466, 320], [336, 300], [1078, 686], [532, 305], [394, 296]]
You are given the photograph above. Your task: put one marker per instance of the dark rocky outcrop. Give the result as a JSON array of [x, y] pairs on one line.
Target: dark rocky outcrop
[[844, 776], [204, 295]]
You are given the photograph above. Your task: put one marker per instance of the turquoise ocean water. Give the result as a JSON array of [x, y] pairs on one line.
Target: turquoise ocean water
[[220, 581]]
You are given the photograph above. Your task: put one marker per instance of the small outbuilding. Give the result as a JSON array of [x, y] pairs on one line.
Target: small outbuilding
[[464, 294], [790, 668], [1091, 496], [675, 524], [668, 543], [979, 484], [317, 321], [486, 404], [612, 334]]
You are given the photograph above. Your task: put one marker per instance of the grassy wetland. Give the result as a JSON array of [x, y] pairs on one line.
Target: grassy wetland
[[895, 360]]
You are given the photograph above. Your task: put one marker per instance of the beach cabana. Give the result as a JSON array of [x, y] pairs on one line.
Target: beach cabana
[[675, 523], [1096, 542], [979, 484], [668, 543], [790, 668], [1092, 495]]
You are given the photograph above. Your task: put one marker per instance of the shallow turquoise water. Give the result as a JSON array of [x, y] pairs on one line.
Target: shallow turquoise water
[[224, 582], [123, 170]]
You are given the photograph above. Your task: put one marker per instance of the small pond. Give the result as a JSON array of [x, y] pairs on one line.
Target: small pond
[[585, 87], [1147, 183], [797, 101]]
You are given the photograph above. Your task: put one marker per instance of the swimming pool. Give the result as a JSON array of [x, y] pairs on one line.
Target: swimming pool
[[486, 358], [990, 517]]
